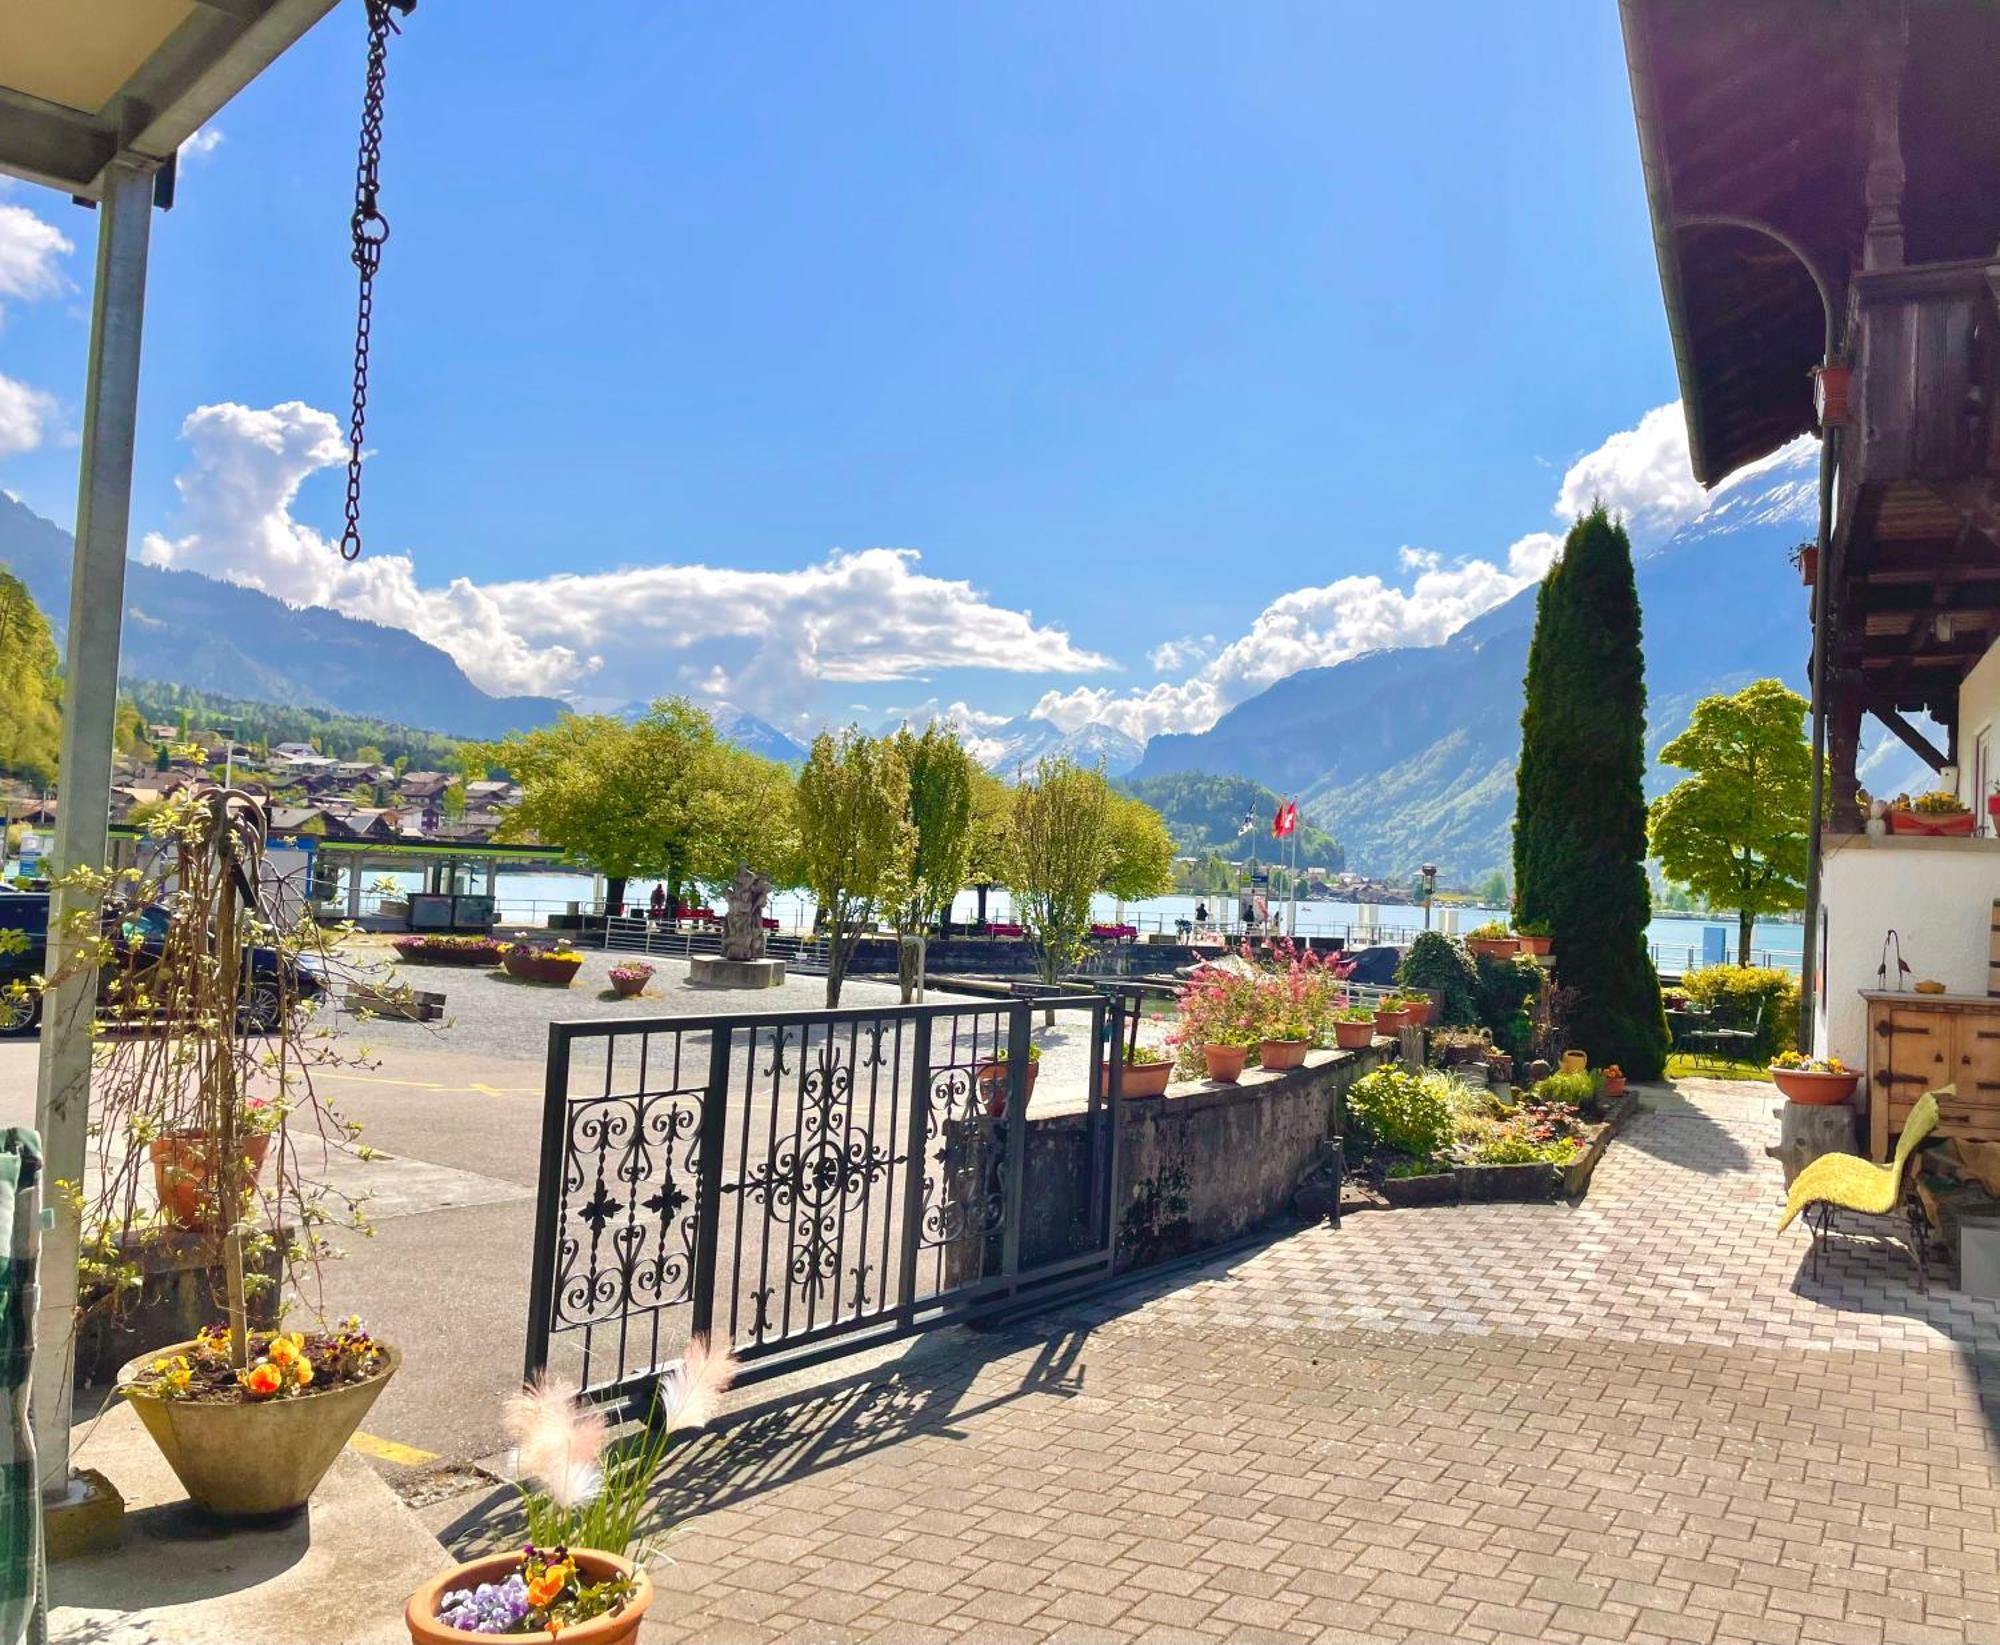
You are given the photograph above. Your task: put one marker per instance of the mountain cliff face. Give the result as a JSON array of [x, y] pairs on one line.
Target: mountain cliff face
[[192, 630], [1409, 755]]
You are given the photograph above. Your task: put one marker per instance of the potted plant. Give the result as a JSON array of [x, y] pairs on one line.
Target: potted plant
[[993, 1079], [248, 1419], [184, 1165], [1147, 1071], [629, 980], [554, 964], [576, 1577], [1819, 1081], [1492, 939], [1534, 938], [1418, 1009], [1354, 1027], [1287, 1036], [1390, 1017], [257, 1440], [1940, 812], [1225, 1054], [1806, 558], [1575, 1062], [438, 949], [1612, 1078]]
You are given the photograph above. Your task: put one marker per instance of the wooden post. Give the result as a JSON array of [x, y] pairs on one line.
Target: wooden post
[[1883, 60], [1843, 747]]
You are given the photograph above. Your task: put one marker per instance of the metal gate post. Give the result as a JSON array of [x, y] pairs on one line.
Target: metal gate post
[[548, 1205], [1013, 1192], [708, 1180], [913, 1169]]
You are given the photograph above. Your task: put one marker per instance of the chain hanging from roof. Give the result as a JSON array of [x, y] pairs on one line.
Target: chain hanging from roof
[[371, 233]]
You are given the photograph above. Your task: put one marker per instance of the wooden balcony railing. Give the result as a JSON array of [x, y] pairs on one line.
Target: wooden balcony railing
[[1927, 374]]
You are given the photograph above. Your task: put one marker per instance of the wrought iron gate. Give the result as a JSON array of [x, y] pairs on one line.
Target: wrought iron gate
[[804, 1183]]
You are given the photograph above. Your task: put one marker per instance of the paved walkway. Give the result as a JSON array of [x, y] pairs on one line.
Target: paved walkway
[[1631, 1420]]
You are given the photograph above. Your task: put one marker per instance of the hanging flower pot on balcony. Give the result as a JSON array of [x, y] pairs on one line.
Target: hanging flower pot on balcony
[[1808, 562], [1831, 384], [1931, 819]]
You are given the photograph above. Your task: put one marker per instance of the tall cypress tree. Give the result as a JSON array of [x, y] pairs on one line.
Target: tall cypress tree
[[1580, 816]]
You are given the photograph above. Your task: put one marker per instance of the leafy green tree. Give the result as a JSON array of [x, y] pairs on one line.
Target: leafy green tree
[[451, 803], [1141, 861], [940, 812], [1734, 832], [855, 838], [1580, 811], [989, 834], [1493, 890], [1064, 846], [30, 712]]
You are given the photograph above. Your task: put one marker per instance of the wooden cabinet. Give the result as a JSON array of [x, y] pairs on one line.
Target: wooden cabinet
[[1924, 1042]]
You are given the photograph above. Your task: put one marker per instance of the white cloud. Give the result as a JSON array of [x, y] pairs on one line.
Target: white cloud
[[24, 413], [1641, 473], [205, 141], [763, 640], [1171, 656], [29, 253]]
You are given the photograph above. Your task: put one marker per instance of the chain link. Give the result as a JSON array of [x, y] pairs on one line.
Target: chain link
[[371, 232]]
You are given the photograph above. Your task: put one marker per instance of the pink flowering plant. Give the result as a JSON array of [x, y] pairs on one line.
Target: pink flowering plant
[[1293, 996]]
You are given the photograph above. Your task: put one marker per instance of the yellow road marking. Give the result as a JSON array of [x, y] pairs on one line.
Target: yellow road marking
[[432, 1085], [387, 1450]]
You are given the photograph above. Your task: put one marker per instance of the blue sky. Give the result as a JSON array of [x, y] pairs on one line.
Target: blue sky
[[1136, 318]]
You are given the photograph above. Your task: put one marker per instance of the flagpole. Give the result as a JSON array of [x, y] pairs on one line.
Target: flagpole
[[1292, 916]]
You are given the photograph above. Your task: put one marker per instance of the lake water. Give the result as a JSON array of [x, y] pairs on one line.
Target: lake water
[[529, 897]]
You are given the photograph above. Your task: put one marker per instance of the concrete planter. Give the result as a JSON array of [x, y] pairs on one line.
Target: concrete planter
[[420, 1615], [1439, 1188], [532, 967], [1276, 1054], [245, 1461], [1483, 1184]]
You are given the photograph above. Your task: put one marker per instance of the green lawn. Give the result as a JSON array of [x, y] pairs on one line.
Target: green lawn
[[1682, 1066]]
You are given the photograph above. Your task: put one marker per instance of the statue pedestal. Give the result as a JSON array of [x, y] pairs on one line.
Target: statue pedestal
[[707, 972]]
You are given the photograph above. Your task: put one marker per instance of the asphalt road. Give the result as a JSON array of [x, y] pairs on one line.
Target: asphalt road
[[456, 1109]]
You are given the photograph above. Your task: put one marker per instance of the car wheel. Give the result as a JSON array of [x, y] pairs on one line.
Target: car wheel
[[20, 1010], [264, 1010]]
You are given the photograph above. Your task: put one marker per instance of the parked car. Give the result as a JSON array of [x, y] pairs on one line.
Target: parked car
[[1370, 965], [269, 975]]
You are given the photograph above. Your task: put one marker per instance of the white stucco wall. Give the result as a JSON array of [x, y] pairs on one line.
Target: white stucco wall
[[1936, 894], [1979, 711]]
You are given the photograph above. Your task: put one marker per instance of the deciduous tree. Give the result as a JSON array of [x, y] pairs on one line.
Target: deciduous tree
[[940, 813], [1064, 843], [1734, 832], [855, 838], [30, 715]]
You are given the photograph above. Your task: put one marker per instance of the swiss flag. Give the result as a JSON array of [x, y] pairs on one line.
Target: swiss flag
[[1286, 819]]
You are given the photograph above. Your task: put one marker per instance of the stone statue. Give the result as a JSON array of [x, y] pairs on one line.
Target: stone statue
[[743, 925]]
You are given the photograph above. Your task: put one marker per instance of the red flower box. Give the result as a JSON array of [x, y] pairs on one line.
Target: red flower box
[[1937, 825]]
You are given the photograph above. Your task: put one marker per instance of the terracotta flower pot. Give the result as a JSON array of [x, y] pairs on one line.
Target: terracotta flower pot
[[1813, 1087], [1535, 947], [247, 1461], [630, 985], [1142, 1079], [182, 1162], [1809, 566], [1576, 1062], [1353, 1036], [993, 1086], [1283, 1053], [420, 1614], [1391, 1022], [1225, 1062], [1498, 948], [1420, 1013], [1929, 823], [1614, 1085]]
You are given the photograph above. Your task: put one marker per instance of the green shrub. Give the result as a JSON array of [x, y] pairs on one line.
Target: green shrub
[[1504, 988], [1406, 1113], [1571, 1090], [1511, 1148], [1736, 990], [1440, 964]]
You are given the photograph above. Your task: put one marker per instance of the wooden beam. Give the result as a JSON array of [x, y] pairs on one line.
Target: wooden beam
[[1909, 735]]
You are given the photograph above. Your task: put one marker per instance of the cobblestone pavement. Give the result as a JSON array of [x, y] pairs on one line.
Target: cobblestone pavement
[[1635, 1419]]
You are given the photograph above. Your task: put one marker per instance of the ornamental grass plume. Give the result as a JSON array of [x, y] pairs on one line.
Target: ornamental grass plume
[[560, 1441], [688, 1400]]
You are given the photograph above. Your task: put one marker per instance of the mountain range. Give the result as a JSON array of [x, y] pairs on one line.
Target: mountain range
[[1408, 755]]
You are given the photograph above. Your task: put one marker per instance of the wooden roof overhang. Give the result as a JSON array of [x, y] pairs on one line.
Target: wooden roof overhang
[[1749, 113]]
